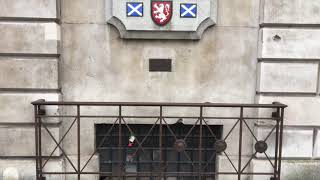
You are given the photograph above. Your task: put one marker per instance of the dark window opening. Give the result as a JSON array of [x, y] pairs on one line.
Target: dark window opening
[[148, 159]]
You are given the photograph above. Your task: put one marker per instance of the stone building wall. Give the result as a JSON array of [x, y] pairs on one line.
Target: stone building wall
[[288, 63], [258, 52], [29, 61]]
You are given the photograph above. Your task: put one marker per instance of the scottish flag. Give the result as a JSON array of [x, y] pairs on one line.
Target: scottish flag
[[134, 9], [188, 10]]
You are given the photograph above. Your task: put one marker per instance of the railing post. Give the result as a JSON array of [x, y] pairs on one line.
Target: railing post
[[276, 116], [240, 142], [39, 121], [120, 142], [280, 143], [200, 142], [160, 142], [78, 140], [36, 140]]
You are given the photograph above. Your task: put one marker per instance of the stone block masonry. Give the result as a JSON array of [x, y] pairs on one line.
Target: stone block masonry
[[29, 70], [288, 72]]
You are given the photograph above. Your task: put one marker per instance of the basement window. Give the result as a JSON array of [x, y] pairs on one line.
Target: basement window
[[176, 162]]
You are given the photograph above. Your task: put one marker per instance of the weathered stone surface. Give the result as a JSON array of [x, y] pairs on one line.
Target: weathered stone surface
[[87, 136], [10, 174], [17, 108], [13, 138], [238, 13], [30, 8], [205, 64], [83, 11], [85, 62], [233, 138], [92, 166], [224, 165], [19, 37], [290, 169], [27, 168], [28, 73], [289, 43], [300, 111], [291, 12], [288, 77], [297, 142]]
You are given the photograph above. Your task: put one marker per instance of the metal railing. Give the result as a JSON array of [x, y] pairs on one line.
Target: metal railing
[[242, 122]]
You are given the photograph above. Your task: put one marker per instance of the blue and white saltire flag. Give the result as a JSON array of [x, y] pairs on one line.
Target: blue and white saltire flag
[[134, 9], [188, 10]]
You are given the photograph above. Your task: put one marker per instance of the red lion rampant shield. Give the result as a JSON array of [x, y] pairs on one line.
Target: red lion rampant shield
[[161, 12]]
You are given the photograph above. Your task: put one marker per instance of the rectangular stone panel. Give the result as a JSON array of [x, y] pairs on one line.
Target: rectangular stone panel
[[200, 84], [29, 73], [26, 169], [286, 43], [291, 12], [290, 169], [288, 77], [238, 13], [297, 142], [29, 8], [85, 11], [302, 111], [17, 108], [20, 141], [29, 38]]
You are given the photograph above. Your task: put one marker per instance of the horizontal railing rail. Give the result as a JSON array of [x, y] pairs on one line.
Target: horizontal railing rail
[[207, 104]]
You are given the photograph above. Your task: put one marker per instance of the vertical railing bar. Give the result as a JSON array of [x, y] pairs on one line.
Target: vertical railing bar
[[138, 131], [165, 159], [240, 142], [78, 139], [160, 143], [200, 142], [192, 155], [151, 167], [277, 144], [179, 158], [36, 141], [120, 142], [40, 144], [280, 143]]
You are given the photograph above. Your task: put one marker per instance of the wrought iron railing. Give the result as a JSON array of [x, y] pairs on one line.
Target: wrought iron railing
[[199, 152]]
